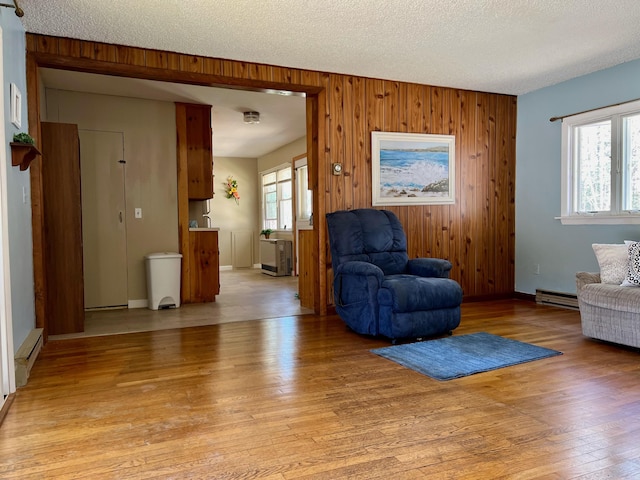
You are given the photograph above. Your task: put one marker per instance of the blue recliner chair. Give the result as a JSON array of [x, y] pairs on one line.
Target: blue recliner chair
[[377, 289]]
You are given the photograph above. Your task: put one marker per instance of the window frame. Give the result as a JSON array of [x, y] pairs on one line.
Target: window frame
[[304, 196], [262, 174], [569, 193]]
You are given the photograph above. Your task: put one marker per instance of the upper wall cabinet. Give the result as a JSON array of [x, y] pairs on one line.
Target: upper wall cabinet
[[193, 124]]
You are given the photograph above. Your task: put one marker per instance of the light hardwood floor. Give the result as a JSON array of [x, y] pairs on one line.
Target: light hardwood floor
[[245, 294], [302, 397]]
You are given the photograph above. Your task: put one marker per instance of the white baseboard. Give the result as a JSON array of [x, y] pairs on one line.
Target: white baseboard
[[144, 303]]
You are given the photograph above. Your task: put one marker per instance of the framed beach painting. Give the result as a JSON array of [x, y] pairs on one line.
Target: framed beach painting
[[412, 169]]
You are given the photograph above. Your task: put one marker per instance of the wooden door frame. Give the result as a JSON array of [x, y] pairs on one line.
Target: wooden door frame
[[315, 114]]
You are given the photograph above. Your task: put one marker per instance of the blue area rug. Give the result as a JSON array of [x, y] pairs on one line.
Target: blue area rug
[[459, 356]]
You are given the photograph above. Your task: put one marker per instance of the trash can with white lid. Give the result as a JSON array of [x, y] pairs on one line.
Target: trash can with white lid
[[163, 279]]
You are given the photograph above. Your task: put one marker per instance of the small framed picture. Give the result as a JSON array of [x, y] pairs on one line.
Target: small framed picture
[[16, 105]]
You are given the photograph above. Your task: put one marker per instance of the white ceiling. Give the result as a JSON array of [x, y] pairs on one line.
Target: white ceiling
[[500, 46]]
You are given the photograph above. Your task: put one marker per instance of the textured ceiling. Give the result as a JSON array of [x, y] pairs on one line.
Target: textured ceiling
[[501, 46]]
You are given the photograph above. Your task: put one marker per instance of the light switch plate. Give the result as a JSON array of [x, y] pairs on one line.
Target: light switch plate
[[138, 212]]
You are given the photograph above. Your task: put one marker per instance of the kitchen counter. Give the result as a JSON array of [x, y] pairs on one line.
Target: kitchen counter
[[204, 229]]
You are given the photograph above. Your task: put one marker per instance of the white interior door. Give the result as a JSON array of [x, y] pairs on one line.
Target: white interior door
[[104, 233], [7, 373]]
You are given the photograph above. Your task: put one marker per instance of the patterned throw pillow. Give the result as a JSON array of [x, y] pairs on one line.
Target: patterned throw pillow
[[633, 268], [613, 260]]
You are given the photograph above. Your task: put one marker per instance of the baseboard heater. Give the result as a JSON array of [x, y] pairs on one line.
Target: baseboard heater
[[557, 299], [26, 356]]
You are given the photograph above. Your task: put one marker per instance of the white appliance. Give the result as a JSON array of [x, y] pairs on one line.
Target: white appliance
[[275, 256]]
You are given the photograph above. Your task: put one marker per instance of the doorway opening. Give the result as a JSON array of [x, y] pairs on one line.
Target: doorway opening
[[124, 283]]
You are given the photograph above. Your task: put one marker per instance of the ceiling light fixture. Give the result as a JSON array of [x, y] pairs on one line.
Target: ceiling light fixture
[[251, 117]]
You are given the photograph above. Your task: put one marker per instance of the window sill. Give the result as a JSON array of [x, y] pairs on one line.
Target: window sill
[[600, 220]]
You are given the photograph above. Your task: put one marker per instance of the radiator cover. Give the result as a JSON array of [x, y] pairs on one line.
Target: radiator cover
[[276, 257]]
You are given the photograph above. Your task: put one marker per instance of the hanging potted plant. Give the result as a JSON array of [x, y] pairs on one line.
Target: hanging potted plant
[[266, 232], [23, 138], [23, 150]]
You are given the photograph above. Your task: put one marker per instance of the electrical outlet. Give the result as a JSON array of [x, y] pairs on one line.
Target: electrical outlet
[[536, 269], [138, 213]]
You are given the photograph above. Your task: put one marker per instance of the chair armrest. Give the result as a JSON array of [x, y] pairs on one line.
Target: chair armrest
[[585, 278], [429, 267], [360, 268], [356, 284]]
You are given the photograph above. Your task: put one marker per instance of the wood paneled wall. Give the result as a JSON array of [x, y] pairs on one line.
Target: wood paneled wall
[[476, 233]]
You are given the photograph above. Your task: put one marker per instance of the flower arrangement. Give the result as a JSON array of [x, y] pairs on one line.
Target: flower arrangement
[[231, 189]]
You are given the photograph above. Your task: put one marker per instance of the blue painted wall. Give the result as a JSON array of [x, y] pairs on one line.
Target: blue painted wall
[[560, 250], [19, 211]]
